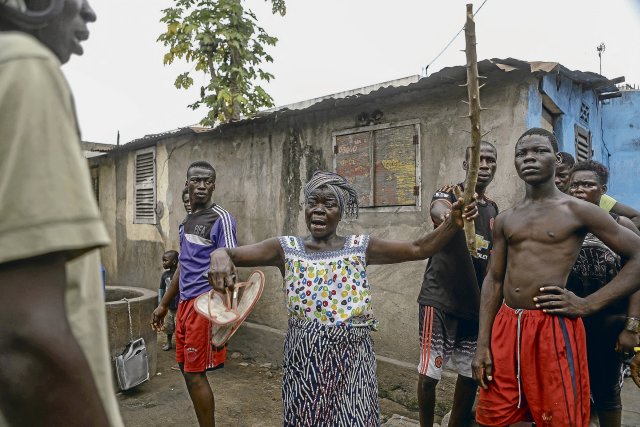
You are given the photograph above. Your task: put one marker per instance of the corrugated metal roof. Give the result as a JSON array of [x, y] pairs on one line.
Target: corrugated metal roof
[[149, 140], [96, 146], [436, 82]]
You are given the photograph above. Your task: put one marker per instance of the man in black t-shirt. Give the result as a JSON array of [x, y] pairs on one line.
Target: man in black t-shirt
[[450, 298]]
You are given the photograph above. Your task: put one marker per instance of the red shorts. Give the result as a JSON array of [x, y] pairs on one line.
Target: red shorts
[[554, 379], [193, 341]]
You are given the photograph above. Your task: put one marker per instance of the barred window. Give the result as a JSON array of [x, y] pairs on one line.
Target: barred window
[[382, 162], [145, 187], [584, 113]]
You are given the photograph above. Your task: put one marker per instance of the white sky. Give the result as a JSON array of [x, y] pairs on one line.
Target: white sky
[[333, 45]]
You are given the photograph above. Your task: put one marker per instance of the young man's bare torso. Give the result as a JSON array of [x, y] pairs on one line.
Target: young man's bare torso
[[531, 358], [543, 239]]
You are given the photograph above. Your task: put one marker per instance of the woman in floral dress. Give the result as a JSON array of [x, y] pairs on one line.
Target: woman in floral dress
[[329, 368]]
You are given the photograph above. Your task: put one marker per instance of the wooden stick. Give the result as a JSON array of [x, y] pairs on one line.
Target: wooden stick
[[473, 92]]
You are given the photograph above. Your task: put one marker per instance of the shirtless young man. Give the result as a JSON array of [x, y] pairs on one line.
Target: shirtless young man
[[531, 360]]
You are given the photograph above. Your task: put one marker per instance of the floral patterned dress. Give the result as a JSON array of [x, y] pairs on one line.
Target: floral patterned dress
[[329, 369]]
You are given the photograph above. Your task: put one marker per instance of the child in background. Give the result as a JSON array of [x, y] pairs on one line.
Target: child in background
[[185, 200], [169, 263]]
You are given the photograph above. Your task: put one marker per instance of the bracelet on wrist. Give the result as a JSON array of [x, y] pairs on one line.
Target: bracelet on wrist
[[632, 324], [636, 349]]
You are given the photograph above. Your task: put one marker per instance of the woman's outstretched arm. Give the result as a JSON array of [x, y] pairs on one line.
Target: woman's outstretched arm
[[382, 251], [225, 260]]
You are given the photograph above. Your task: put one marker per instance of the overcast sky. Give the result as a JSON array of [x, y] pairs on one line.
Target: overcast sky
[[328, 46]]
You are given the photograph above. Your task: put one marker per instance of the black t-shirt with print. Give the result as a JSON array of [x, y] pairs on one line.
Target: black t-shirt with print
[[453, 278]]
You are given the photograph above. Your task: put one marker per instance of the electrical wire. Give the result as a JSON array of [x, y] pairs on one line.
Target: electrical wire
[[452, 40]]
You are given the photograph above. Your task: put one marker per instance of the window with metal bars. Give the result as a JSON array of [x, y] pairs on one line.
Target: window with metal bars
[[583, 143], [145, 187], [584, 113], [382, 162]]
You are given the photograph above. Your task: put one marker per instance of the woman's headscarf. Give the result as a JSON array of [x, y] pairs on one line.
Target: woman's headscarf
[[344, 192]]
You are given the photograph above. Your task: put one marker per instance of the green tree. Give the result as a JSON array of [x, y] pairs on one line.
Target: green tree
[[222, 39]]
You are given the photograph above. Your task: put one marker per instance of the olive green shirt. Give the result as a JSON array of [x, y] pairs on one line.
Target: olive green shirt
[[47, 201], [607, 202]]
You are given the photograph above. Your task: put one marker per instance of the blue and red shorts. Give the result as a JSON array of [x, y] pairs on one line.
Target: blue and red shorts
[[539, 371], [193, 341]]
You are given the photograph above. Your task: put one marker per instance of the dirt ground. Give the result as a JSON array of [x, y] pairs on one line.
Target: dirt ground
[[247, 395]]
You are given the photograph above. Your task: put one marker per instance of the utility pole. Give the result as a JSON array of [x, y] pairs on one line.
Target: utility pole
[[601, 47]]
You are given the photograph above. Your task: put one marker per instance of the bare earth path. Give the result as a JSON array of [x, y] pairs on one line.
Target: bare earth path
[[247, 395]]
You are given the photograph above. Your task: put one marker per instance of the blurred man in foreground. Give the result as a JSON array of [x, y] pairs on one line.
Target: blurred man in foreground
[[54, 364]]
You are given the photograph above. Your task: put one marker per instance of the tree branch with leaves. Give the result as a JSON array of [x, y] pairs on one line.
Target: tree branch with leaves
[[222, 39]]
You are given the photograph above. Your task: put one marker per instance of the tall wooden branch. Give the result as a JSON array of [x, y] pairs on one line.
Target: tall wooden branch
[[473, 91]]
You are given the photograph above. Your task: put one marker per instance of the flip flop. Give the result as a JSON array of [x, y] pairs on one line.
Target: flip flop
[[213, 306], [244, 298], [220, 335]]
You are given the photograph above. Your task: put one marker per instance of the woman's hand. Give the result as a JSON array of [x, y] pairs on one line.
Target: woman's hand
[[458, 215], [222, 271]]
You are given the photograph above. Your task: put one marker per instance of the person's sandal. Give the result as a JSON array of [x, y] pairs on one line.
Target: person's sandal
[[212, 305], [244, 298]]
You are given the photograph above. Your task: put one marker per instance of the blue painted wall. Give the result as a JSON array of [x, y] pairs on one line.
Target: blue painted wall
[[534, 107], [621, 126], [569, 96], [614, 125]]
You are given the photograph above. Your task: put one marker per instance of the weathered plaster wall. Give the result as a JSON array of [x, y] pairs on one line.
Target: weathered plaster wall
[[261, 168], [138, 248], [621, 126], [107, 204], [262, 165]]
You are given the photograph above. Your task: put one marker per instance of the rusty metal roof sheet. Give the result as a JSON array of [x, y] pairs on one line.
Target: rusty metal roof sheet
[[436, 83]]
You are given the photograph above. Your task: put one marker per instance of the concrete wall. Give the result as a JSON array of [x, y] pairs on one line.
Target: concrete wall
[[142, 302], [134, 257], [263, 164], [107, 203], [621, 125]]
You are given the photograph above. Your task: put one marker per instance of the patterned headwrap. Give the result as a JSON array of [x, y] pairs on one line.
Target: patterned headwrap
[[344, 192]]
